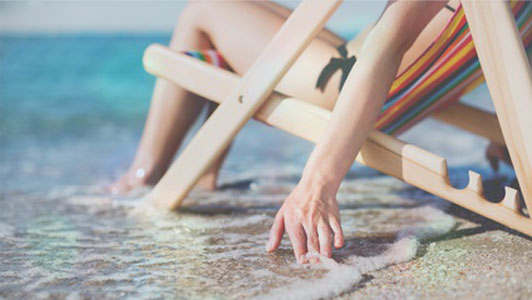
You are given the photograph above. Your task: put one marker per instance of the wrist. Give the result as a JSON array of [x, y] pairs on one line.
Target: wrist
[[320, 171], [315, 178]]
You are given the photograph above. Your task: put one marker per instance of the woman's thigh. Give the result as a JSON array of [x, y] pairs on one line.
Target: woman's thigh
[[241, 30]]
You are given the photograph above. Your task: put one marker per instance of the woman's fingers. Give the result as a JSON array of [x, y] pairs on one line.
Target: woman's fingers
[[324, 233], [309, 221], [338, 233], [313, 243], [298, 239], [276, 232]]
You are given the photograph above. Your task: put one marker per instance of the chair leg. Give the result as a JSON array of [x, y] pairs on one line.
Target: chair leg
[[472, 119], [253, 89], [507, 71], [382, 152]]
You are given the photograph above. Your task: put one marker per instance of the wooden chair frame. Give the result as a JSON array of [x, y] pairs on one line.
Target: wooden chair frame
[[502, 58]]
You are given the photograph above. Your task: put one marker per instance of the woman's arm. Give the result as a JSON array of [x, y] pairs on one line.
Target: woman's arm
[[310, 213]]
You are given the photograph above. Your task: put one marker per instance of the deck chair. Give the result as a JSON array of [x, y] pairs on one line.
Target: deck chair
[[432, 85]]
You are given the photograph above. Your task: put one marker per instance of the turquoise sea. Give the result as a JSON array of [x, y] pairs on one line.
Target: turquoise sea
[[72, 109], [68, 91]]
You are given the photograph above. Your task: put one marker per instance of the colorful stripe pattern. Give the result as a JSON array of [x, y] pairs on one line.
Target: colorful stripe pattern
[[444, 72], [209, 56], [448, 69]]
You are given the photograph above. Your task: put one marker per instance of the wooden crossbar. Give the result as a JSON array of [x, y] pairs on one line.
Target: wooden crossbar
[[472, 119]]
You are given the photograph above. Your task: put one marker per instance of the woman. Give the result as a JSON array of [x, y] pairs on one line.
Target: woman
[[239, 31]]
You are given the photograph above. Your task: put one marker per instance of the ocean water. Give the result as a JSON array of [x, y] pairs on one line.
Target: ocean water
[[71, 113]]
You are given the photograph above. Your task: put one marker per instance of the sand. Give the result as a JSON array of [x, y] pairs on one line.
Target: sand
[[479, 259]]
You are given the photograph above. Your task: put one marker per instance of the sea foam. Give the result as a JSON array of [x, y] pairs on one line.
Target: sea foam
[[342, 277]]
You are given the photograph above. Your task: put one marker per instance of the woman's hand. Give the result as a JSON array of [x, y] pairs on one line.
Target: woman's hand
[[311, 218]]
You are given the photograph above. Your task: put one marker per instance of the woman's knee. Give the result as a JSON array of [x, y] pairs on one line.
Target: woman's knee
[[190, 15], [188, 29]]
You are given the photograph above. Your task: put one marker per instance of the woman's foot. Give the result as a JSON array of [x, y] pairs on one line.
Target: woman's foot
[[135, 177], [495, 153], [139, 177], [208, 181]]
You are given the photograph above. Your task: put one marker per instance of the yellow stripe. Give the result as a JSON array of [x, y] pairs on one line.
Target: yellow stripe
[[439, 72], [436, 47], [431, 79], [473, 85], [448, 65]]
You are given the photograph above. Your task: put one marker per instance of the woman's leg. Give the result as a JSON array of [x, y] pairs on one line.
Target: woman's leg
[[172, 111], [239, 30]]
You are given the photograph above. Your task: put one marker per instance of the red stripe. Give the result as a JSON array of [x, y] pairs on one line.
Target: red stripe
[[517, 7], [427, 63], [222, 61], [421, 93], [450, 98]]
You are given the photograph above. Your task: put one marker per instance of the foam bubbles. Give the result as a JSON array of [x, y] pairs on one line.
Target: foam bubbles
[[213, 248], [340, 277]]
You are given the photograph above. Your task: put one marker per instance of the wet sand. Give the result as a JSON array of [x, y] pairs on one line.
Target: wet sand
[[401, 243], [479, 259]]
